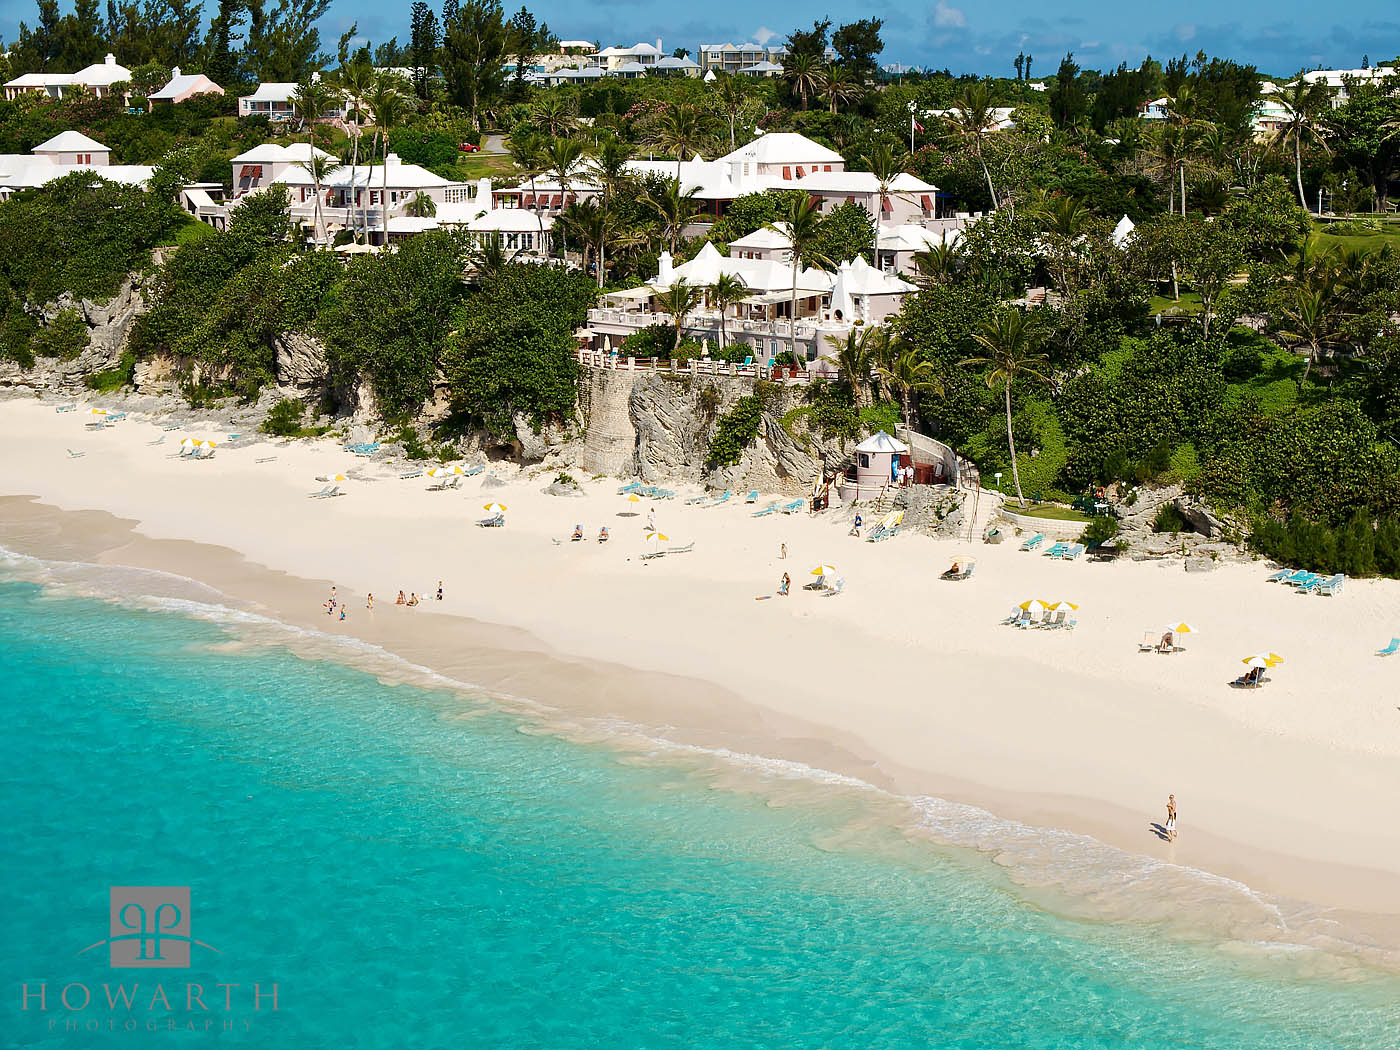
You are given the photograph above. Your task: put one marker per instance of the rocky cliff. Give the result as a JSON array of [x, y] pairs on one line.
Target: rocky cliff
[[109, 327]]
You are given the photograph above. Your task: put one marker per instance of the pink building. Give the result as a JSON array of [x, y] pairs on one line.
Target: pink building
[[183, 86]]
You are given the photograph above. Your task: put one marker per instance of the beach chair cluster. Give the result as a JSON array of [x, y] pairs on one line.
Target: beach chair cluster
[[327, 492], [495, 521], [194, 448], [887, 527], [1304, 582], [778, 507], [444, 484], [1063, 551], [1043, 619], [363, 448], [649, 491]]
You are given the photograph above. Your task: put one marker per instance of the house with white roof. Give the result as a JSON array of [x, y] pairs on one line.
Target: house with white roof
[[99, 78], [677, 67], [829, 306], [1337, 79], [613, 59], [61, 155], [184, 86], [1155, 109], [752, 59], [274, 100]]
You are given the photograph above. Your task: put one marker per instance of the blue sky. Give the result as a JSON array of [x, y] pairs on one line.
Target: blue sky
[[1277, 35]]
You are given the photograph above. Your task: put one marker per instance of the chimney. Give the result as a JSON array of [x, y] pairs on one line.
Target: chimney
[[483, 194], [391, 159], [658, 43], [111, 59], [664, 274], [174, 72]]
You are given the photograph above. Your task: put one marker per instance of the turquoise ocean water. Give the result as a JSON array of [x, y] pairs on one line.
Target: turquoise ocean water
[[413, 867]]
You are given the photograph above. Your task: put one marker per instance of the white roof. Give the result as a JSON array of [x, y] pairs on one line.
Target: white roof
[[71, 142], [411, 224], [907, 237], [575, 43], [635, 49], [763, 276], [20, 171], [677, 63], [632, 67], [858, 277], [763, 239], [179, 85], [273, 92], [510, 220], [1121, 232], [881, 442], [102, 74], [26, 80], [785, 147], [263, 154], [762, 67], [860, 182]]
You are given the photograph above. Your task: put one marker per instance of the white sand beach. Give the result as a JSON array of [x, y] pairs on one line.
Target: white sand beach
[[904, 681]]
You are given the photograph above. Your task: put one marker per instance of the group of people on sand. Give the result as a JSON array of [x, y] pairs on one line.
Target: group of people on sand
[[578, 534], [412, 599], [333, 602]]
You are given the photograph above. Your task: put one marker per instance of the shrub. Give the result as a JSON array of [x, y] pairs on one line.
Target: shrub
[[1099, 531], [737, 429], [1169, 519], [284, 418], [656, 340], [124, 374], [65, 337]]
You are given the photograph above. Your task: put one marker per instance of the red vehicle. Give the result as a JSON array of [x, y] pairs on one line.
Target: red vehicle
[[467, 147]]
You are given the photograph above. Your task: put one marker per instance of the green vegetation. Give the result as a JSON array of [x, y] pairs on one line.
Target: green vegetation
[[1052, 511], [736, 431]]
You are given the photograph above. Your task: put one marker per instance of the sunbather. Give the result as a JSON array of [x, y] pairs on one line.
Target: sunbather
[[413, 599], [784, 585], [401, 600], [1167, 644], [952, 571], [578, 533], [603, 534]]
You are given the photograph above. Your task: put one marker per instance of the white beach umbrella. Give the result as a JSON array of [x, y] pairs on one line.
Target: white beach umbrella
[[1181, 628], [495, 508], [656, 538], [824, 570]]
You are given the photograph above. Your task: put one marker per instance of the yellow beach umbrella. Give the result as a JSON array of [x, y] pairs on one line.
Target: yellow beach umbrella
[[1033, 605], [210, 444], [189, 443], [824, 570], [495, 508], [632, 497], [656, 537], [98, 411], [337, 477], [456, 468], [1263, 660], [437, 472], [1057, 606], [1181, 628]]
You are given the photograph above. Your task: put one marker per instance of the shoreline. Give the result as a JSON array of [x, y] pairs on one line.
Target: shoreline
[[684, 688]]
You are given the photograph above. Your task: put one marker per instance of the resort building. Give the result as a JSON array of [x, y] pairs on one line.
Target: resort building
[[183, 86], [829, 305], [1338, 79], [275, 101], [1155, 109], [749, 59], [98, 78], [636, 60], [61, 155]]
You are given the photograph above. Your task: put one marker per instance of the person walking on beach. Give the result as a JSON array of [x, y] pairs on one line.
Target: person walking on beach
[[439, 593], [1171, 818], [787, 582], [651, 520], [782, 552], [369, 601]]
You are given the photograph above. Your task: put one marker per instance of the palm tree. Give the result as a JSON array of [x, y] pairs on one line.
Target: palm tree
[[320, 168], [1063, 220], [937, 264], [527, 152], [608, 164], [678, 130], [673, 210], [488, 256], [729, 93], [909, 374], [971, 119], [855, 358], [1311, 319], [387, 107], [728, 290], [679, 301], [421, 206], [1011, 342], [311, 100], [805, 73], [554, 115], [1304, 105], [839, 88], [801, 226], [886, 166], [356, 79], [562, 157], [592, 226]]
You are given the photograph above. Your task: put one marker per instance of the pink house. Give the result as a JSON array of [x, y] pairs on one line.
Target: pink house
[[185, 85]]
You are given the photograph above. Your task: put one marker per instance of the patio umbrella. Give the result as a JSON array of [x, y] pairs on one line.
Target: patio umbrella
[[1057, 606], [98, 411], [189, 443], [456, 468], [495, 508], [334, 477], [632, 497], [656, 537], [1181, 628], [1034, 606], [438, 472], [1263, 660], [824, 570]]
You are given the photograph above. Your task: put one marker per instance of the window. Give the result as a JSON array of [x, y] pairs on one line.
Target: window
[[864, 458]]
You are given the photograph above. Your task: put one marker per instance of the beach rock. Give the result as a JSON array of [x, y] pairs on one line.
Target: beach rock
[[493, 482], [1200, 517], [534, 445], [300, 360], [563, 488]]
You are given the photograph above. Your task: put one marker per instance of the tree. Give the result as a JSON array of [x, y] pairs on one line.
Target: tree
[[562, 159], [673, 209], [1211, 254], [679, 301], [524, 37], [839, 88], [554, 115], [1010, 344], [592, 227], [424, 39], [855, 359], [909, 374], [886, 165], [311, 100], [728, 290], [474, 45], [1063, 221], [1068, 102], [810, 41], [805, 74], [678, 130], [1310, 319], [421, 206], [971, 119], [320, 168], [527, 153], [387, 108], [857, 45], [729, 94], [609, 165], [801, 226], [219, 63], [356, 78], [1303, 105], [284, 44]]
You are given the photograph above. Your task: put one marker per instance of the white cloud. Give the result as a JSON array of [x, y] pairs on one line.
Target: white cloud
[[1185, 31], [947, 16], [762, 35]]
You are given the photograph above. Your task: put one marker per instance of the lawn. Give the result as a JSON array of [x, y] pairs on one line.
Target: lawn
[[495, 166], [1322, 238], [1189, 303], [1052, 511]]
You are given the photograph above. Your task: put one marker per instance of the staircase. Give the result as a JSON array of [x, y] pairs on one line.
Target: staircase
[[984, 505]]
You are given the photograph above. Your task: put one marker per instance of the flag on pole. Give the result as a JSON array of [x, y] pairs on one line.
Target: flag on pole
[[917, 125]]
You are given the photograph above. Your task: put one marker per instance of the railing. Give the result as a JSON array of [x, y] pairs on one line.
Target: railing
[[703, 323], [694, 367]]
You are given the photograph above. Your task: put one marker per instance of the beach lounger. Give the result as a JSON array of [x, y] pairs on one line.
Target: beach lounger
[[695, 501], [1279, 576], [1050, 619], [722, 499], [496, 521], [1012, 616], [770, 509], [1332, 585], [75, 455], [409, 475], [66, 408], [1034, 542], [966, 574], [1391, 649], [100, 424], [1057, 549], [631, 486], [681, 550], [117, 417], [1072, 552], [752, 497], [1307, 584], [158, 441], [1149, 642], [793, 507], [474, 471], [265, 459], [325, 491], [1299, 577]]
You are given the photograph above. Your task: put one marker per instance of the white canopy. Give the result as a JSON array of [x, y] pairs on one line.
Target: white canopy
[[882, 442]]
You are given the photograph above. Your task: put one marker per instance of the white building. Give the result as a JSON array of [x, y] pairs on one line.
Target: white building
[[61, 155], [1155, 109], [1337, 79], [613, 59], [183, 86], [97, 78], [274, 100], [751, 59]]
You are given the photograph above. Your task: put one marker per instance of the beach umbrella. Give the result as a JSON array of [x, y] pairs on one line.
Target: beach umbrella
[[437, 472], [1263, 660], [189, 443], [215, 444], [632, 497], [656, 537], [1057, 606], [495, 508], [1181, 628], [1034, 606], [456, 468], [824, 570], [336, 477]]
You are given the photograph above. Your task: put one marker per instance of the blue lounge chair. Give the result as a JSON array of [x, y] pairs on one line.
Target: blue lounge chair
[[631, 486], [1391, 649], [1306, 584], [695, 501], [411, 474], [1280, 576], [496, 521], [72, 406], [75, 455], [752, 497], [1300, 577], [747, 361], [770, 509], [1073, 552], [1012, 616], [1057, 549], [1333, 585], [474, 471], [1034, 542], [723, 499], [793, 507]]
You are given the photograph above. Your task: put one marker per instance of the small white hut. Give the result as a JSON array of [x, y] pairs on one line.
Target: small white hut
[[878, 460]]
